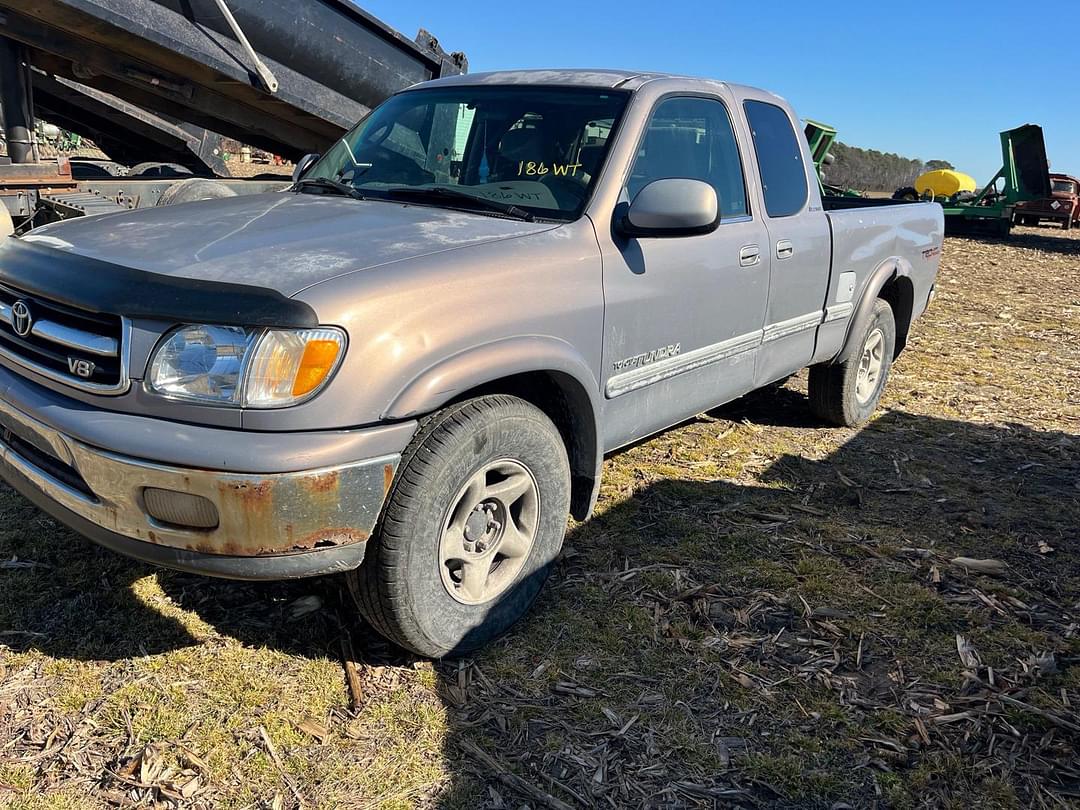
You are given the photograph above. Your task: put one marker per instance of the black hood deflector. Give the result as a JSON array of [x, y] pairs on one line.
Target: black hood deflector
[[100, 286]]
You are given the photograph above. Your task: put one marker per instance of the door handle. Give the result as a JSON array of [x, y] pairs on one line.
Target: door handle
[[749, 255], [784, 249]]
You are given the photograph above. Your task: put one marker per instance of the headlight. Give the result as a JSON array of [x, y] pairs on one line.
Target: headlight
[[286, 366], [228, 365]]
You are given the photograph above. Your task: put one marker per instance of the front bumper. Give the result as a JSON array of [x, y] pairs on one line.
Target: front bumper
[[269, 525]]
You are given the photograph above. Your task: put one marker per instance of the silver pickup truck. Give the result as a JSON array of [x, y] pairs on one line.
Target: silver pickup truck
[[409, 366]]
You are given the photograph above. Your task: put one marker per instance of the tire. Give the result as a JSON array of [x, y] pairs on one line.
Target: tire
[[834, 389], [907, 193], [407, 588], [84, 169], [194, 189]]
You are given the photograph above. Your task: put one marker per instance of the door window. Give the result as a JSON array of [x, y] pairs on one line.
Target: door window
[[692, 138], [783, 176]]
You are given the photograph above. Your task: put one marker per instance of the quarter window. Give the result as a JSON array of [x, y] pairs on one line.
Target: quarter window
[[783, 176], [692, 138]]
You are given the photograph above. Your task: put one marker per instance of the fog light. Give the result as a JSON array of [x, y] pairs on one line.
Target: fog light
[[180, 508]]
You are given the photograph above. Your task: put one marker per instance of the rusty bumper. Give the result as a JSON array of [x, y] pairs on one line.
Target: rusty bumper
[[250, 526]]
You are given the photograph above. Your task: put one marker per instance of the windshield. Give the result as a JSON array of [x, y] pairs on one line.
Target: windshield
[[538, 149], [1065, 185]]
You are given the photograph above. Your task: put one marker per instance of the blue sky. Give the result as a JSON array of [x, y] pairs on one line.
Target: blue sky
[[922, 79]]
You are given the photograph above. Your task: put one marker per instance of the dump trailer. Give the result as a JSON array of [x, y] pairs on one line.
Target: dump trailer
[[166, 80]]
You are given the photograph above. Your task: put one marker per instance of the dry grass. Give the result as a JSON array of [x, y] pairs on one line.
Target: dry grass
[[764, 612]]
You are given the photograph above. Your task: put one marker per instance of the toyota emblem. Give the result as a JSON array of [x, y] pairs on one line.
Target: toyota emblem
[[21, 320]]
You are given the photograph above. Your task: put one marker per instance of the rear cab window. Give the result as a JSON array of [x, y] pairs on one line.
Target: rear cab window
[[779, 159]]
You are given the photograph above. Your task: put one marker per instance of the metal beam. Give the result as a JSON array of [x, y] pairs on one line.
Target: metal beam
[[15, 101], [125, 132]]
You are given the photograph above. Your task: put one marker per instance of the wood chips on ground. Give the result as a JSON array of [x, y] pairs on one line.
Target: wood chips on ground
[[763, 613]]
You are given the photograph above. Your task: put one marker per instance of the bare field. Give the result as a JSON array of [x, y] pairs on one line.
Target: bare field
[[763, 613]]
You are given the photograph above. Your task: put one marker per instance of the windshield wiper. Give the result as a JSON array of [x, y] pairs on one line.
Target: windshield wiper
[[441, 192], [326, 183]]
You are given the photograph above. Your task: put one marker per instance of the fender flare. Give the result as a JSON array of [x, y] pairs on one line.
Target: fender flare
[[890, 269], [487, 364]]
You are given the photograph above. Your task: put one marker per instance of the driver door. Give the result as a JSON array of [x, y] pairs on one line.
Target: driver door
[[683, 315]]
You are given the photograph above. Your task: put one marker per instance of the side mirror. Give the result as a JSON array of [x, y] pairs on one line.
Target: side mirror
[[672, 207], [303, 164]]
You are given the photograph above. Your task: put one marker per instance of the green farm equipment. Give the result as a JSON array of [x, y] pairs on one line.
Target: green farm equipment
[[821, 137], [1024, 175]]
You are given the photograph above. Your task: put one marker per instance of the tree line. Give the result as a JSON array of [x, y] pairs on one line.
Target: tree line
[[871, 170]]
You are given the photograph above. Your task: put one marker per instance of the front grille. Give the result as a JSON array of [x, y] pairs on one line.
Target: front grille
[[75, 346]]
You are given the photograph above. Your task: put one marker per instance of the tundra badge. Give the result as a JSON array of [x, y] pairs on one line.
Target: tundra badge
[[644, 359]]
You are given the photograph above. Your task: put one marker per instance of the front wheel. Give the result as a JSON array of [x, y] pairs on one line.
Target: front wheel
[[848, 393], [473, 522]]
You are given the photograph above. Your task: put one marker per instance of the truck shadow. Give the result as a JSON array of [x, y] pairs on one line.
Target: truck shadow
[[665, 610], [606, 625]]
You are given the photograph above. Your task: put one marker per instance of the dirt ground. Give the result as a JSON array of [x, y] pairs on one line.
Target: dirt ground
[[763, 613], [238, 169]]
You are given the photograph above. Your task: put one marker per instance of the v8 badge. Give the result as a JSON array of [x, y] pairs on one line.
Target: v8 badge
[[80, 367]]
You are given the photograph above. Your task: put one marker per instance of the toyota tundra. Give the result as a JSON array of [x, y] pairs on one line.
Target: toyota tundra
[[408, 367]]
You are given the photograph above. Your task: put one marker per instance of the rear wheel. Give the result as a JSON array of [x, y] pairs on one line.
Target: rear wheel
[[848, 393], [473, 522]]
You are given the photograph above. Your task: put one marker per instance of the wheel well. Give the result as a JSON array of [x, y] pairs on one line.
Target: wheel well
[[899, 294], [567, 404]]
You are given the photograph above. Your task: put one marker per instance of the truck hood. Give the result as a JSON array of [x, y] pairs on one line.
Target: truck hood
[[280, 241]]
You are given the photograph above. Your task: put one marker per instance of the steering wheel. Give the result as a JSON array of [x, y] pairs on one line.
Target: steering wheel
[[389, 166], [566, 190]]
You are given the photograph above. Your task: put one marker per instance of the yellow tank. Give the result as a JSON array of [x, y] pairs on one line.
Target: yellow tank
[[944, 182]]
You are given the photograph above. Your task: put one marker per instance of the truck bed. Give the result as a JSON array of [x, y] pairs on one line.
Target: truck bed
[[871, 234], [831, 203]]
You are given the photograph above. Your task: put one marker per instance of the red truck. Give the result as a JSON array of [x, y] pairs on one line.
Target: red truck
[[1063, 204]]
